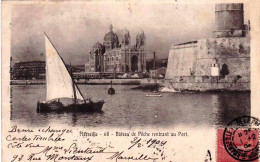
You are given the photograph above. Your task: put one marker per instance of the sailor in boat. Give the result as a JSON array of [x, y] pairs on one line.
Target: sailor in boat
[[89, 100]]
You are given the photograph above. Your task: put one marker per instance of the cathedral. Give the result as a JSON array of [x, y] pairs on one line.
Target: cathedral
[[116, 54]]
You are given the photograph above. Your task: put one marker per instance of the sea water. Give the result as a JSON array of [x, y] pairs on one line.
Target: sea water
[[131, 108]]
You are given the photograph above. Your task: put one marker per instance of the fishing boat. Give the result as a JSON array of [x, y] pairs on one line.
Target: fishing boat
[[62, 94], [153, 94]]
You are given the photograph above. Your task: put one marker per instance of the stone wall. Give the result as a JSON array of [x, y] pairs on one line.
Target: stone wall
[[181, 60], [189, 64], [234, 52], [224, 86]]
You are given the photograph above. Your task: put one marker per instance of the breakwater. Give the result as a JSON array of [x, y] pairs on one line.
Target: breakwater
[[155, 84], [83, 81]]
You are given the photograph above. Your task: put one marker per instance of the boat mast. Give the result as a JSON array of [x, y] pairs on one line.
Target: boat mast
[[73, 85]]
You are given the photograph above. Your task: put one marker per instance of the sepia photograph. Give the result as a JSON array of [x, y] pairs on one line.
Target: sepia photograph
[[130, 81], [98, 68]]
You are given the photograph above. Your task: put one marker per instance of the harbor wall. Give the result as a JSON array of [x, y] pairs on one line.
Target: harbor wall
[[233, 52], [181, 60], [84, 81], [190, 64], [206, 83], [211, 86]]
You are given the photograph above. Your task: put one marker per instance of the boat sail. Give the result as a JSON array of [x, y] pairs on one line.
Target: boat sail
[[58, 80], [60, 85]]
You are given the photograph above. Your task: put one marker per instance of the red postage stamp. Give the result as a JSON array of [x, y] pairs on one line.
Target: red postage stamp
[[239, 141]]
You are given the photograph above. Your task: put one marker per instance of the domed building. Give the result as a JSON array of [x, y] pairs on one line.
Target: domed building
[[96, 57], [97, 45], [117, 54], [111, 39]]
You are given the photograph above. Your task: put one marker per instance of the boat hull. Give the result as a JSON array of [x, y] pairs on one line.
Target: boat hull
[[58, 107], [153, 95]]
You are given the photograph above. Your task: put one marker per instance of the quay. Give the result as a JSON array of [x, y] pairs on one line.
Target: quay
[[84, 81], [144, 83]]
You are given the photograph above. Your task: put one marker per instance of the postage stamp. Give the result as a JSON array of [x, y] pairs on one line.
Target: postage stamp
[[240, 140]]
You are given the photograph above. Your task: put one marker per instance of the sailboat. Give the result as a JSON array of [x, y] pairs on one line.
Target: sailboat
[[62, 94]]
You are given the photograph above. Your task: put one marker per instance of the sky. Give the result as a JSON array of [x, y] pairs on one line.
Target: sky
[[75, 28]]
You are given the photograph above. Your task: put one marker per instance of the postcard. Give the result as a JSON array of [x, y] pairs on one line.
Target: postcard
[[126, 81]]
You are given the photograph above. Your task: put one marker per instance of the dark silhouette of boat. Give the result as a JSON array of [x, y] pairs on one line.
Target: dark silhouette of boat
[[56, 106], [60, 85]]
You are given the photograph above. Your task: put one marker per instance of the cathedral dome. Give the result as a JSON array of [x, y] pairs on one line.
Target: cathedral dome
[[97, 45], [111, 36]]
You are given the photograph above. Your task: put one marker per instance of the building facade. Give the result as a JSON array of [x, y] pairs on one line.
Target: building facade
[[36, 70], [28, 70], [218, 63], [117, 54], [158, 72]]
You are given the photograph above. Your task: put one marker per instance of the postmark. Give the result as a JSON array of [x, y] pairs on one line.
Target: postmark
[[241, 138]]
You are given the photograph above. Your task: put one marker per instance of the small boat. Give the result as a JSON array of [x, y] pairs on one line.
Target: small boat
[[153, 94], [62, 94]]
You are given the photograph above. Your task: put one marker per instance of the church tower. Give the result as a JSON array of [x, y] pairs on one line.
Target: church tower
[[126, 38], [140, 39]]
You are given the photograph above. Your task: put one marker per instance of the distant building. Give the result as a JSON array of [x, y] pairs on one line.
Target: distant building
[[157, 72], [28, 70], [36, 70], [117, 54], [78, 68], [221, 62], [158, 63]]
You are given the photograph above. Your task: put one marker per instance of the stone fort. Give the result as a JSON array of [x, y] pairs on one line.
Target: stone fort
[[218, 63]]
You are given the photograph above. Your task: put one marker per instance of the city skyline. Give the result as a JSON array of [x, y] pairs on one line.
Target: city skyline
[[75, 28]]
